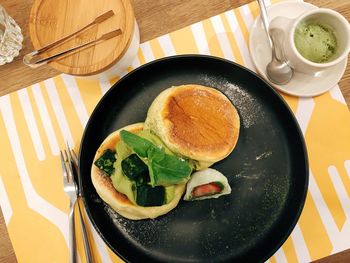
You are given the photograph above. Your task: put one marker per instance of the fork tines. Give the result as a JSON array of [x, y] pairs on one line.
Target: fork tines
[[67, 169]]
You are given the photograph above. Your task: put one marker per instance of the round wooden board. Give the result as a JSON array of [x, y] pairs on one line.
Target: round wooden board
[[51, 20]]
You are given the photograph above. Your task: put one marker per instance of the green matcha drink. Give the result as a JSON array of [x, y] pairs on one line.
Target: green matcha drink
[[315, 42]]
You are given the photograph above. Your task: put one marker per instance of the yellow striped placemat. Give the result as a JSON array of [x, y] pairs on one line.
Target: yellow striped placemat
[[36, 121]]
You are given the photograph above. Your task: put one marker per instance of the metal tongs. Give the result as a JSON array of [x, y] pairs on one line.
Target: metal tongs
[[34, 60]]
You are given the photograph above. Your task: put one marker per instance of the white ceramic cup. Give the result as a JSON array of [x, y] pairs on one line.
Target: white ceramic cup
[[322, 16]]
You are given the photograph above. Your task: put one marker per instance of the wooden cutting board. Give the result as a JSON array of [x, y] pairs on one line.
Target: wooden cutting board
[[51, 20]]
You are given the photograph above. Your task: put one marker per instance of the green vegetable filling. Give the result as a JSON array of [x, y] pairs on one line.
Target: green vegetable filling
[[146, 171], [135, 169], [147, 195], [106, 161], [164, 169]]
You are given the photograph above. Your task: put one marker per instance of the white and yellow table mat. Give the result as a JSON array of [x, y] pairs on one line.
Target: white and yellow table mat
[[36, 121]]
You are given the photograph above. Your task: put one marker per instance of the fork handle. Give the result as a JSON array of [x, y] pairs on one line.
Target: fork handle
[[87, 246], [72, 246]]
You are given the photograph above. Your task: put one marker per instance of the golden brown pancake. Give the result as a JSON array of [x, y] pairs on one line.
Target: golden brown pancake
[[118, 201], [196, 122]]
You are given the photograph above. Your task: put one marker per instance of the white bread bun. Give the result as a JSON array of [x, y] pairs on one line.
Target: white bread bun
[[195, 122]]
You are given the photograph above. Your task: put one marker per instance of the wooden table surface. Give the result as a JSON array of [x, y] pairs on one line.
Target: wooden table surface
[[155, 18]]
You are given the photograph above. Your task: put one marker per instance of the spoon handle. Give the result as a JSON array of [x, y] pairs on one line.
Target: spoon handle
[[265, 19], [277, 37]]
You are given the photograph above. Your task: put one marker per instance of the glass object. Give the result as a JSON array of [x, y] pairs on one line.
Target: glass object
[[10, 38]]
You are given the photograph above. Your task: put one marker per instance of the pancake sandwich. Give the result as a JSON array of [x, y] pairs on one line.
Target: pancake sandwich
[[141, 170], [121, 180], [196, 122]]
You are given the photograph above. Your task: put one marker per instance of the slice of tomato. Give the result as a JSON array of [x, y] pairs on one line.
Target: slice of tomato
[[206, 189]]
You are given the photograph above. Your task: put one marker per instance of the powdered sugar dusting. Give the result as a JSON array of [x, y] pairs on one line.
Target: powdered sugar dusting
[[141, 231], [263, 155], [246, 105]]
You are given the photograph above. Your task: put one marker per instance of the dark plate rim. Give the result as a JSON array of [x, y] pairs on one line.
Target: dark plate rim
[[234, 64]]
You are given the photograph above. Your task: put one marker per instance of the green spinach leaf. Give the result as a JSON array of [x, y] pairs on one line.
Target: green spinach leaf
[[165, 169], [139, 145]]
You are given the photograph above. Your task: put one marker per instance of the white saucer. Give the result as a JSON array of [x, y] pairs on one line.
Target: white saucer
[[302, 85]]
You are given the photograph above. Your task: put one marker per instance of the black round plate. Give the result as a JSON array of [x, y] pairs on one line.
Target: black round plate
[[267, 171]]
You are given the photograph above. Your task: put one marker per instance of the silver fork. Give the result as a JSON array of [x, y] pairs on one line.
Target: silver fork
[[73, 159], [71, 190]]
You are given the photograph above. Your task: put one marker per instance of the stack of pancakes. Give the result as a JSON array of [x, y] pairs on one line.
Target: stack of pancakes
[[195, 122]]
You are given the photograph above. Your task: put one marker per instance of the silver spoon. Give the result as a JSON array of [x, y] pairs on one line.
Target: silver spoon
[[277, 71]]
